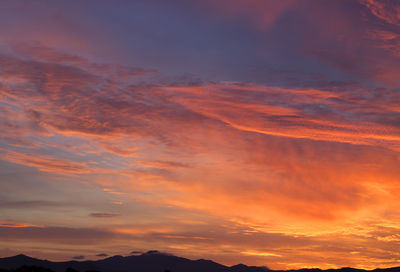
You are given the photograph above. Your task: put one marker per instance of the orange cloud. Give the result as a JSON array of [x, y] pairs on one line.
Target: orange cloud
[[229, 111], [46, 163], [304, 170], [309, 114], [17, 225]]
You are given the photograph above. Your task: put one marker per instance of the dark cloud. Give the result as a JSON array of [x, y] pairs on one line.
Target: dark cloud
[[61, 235], [136, 252], [80, 257], [102, 255], [32, 204]]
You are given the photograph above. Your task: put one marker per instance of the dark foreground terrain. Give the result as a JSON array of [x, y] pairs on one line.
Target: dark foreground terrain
[[152, 261]]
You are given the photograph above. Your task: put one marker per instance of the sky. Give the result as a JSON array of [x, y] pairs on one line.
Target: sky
[[261, 132]]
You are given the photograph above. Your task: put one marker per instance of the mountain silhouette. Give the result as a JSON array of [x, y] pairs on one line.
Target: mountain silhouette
[[152, 261]]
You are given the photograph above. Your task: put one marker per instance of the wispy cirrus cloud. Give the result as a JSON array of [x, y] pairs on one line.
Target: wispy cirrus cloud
[[321, 114], [67, 99], [46, 163], [278, 146]]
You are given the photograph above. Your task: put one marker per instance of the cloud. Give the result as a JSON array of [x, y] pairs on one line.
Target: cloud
[[313, 114], [46, 234], [259, 13], [161, 164], [46, 163], [32, 204], [16, 225], [304, 171], [308, 113], [104, 215], [136, 252], [118, 72], [80, 257], [102, 255], [232, 125], [387, 11], [122, 112], [383, 34]]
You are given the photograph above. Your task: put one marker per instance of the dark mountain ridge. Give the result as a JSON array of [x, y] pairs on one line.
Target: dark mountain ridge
[[152, 261]]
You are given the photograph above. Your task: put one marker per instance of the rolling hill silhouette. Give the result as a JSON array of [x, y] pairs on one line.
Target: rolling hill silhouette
[[152, 261]]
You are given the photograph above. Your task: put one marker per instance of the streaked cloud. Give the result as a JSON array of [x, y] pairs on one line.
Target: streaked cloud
[[102, 255], [261, 132], [104, 215]]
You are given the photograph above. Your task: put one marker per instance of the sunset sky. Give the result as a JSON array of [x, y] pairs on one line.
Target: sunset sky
[[264, 132]]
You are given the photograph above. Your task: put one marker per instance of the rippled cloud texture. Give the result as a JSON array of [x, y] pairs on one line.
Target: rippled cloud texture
[[259, 131]]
